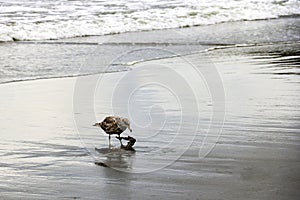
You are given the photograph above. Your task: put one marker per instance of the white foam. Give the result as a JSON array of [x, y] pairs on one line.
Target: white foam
[[40, 20]]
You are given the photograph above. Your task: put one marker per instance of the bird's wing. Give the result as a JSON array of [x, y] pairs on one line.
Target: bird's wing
[[121, 124], [112, 128]]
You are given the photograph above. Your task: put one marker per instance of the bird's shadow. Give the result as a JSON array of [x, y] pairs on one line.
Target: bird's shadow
[[116, 158]]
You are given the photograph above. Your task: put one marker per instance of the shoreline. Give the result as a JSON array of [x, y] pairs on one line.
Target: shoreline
[[215, 48], [92, 55]]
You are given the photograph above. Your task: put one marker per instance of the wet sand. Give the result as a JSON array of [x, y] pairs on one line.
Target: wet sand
[[256, 155], [196, 138]]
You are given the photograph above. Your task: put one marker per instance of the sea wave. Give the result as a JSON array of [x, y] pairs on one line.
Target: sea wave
[[43, 20]]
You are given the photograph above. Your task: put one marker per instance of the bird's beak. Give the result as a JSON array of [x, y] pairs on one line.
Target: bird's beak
[[95, 125]]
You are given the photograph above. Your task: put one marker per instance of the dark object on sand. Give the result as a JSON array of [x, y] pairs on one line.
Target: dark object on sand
[[130, 143], [114, 125], [102, 164]]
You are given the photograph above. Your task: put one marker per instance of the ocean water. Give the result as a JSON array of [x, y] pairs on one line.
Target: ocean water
[[48, 39], [46, 19], [30, 60]]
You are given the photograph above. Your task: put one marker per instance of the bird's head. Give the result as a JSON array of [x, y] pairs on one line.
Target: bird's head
[[127, 123]]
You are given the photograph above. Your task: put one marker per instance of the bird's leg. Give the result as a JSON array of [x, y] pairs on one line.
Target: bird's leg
[[109, 145], [120, 141]]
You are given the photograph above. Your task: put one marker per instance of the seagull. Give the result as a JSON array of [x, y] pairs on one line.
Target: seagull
[[114, 125]]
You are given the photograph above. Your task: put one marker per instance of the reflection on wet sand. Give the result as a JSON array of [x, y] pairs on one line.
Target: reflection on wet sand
[[115, 158]]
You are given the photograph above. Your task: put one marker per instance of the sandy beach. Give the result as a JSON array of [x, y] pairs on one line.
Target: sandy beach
[[215, 124]]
